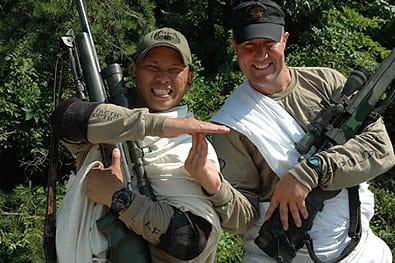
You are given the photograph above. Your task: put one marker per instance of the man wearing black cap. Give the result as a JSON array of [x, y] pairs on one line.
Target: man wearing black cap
[[267, 114], [180, 224]]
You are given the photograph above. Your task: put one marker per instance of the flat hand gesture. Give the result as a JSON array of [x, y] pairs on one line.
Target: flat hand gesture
[[176, 126], [200, 167]]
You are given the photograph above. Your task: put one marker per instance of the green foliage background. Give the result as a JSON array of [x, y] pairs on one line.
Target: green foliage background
[[338, 34]]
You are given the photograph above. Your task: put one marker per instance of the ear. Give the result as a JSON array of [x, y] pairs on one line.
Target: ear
[[190, 78], [133, 72], [284, 38], [233, 43]]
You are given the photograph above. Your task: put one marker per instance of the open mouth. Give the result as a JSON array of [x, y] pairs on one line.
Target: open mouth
[[162, 91], [261, 67]]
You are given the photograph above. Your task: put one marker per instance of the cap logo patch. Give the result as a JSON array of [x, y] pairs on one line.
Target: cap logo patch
[[256, 12], [166, 36]]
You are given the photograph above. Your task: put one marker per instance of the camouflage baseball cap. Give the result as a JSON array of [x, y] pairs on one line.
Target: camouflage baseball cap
[[167, 37], [257, 19]]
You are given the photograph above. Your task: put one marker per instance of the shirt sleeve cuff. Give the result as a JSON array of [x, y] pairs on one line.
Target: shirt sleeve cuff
[[305, 175], [154, 124], [223, 196]]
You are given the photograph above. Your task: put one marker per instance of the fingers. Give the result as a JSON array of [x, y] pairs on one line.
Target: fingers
[[195, 143], [289, 196], [303, 211], [214, 128], [200, 167], [294, 210], [284, 215], [197, 154], [285, 210], [176, 126], [269, 212], [189, 161], [296, 213], [116, 158], [116, 163], [201, 149], [199, 144]]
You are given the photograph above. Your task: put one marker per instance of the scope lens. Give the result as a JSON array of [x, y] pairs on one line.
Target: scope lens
[[357, 78]]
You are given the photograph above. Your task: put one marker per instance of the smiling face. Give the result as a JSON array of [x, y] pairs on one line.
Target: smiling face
[[161, 79], [262, 61]]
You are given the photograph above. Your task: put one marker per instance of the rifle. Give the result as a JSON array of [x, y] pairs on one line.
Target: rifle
[[90, 81], [360, 102]]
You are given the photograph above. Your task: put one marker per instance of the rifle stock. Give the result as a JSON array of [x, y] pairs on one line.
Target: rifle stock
[[50, 218]]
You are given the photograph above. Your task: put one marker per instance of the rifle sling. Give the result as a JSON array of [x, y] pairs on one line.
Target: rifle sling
[[354, 230], [143, 183]]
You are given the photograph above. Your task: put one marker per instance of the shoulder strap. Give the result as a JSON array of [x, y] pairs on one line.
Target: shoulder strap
[[354, 231]]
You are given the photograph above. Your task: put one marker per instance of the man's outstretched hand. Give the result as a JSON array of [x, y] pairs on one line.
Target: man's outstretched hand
[[174, 127]]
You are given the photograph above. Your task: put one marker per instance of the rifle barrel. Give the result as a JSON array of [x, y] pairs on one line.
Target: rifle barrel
[[86, 28]]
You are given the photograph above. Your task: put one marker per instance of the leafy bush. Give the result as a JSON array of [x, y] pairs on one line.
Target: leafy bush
[[334, 43], [25, 111], [230, 248], [22, 221]]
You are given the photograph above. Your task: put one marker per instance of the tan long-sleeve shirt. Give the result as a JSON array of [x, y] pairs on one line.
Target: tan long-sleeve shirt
[[360, 159]]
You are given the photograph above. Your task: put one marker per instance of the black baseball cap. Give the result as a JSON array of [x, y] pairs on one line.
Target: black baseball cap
[[257, 19]]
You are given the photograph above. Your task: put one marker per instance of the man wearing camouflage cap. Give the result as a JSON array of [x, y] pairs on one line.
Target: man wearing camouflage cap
[[180, 224]]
